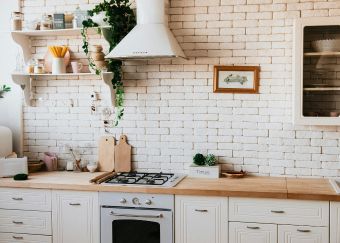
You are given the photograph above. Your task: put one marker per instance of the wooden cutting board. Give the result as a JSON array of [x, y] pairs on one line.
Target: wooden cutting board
[[106, 154], [123, 155]]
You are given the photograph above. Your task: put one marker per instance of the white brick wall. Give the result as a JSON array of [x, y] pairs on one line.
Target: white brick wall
[[171, 111]]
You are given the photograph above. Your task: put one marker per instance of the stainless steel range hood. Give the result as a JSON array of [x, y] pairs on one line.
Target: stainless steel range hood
[[151, 38]]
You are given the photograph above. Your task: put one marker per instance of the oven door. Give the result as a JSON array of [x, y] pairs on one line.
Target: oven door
[[133, 225]]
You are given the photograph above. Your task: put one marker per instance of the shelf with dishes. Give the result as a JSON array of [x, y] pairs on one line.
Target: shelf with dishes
[[322, 54], [25, 80]]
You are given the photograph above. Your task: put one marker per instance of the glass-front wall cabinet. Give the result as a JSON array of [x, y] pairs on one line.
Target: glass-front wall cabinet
[[317, 71]]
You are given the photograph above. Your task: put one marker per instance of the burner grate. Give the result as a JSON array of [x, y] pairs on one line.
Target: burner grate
[[137, 178]]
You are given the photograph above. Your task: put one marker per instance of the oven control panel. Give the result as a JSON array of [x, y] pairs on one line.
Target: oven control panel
[[136, 200]]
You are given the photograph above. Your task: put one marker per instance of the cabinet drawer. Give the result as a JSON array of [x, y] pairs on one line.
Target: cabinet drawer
[[252, 233], [25, 199], [297, 234], [313, 213], [24, 238], [25, 222]]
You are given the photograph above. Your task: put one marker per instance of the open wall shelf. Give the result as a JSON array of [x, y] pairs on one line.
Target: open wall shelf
[[26, 82]]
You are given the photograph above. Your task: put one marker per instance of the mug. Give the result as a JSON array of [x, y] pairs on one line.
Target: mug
[[76, 67]]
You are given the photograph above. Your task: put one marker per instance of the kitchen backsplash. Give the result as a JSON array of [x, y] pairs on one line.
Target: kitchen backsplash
[[171, 111]]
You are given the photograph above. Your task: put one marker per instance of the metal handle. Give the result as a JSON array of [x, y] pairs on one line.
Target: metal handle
[[253, 227], [277, 211], [17, 237], [17, 198], [303, 231], [201, 210], [137, 216], [74, 204], [17, 222]]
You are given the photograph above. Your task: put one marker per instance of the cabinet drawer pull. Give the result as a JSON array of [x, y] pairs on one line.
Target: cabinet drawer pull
[[17, 198], [253, 227], [277, 211], [303, 231], [17, 222], [74, 204], [201, 210], [17, 237]]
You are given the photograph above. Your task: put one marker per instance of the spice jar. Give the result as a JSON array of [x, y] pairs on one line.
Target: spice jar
[[30, 66], [17, 18], [46, 22]]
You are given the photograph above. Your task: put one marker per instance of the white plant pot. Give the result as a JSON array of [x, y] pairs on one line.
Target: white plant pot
[[99, 19], [58, 66], [212, 172]]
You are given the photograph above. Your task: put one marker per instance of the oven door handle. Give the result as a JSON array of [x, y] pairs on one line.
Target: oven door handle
[[158, 216]]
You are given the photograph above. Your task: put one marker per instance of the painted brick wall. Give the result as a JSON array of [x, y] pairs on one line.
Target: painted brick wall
[[171, 111]]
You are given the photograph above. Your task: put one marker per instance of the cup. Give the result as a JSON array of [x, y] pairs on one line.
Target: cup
[[76, 67], [58, 66]]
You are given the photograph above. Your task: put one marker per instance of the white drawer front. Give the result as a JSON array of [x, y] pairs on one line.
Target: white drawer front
[[25, 199], [24, 238], [313, 213], [301, 234], [252, 233], [25, 222]]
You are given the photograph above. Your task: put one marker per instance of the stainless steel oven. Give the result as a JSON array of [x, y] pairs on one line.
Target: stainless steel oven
[[136, 218]]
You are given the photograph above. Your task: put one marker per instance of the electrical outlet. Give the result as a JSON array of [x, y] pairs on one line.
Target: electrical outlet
[[94, 96]]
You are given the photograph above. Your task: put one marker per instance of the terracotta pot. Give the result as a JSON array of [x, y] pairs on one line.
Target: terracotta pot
[[98, 56]]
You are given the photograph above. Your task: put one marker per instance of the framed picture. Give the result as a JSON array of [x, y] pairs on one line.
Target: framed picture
[[236, 79]]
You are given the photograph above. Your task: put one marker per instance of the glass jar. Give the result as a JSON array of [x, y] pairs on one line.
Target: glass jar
[[30, 66], [39, 67], [17, 18], [46, 22]]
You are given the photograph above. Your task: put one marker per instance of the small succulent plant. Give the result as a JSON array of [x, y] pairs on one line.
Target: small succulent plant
[[199, 159], [210, 160]]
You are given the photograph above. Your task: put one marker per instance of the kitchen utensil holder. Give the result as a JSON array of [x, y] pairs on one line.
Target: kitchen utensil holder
[[58, 66]]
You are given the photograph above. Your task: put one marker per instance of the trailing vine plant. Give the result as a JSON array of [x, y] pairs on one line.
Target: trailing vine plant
[[121, 20]]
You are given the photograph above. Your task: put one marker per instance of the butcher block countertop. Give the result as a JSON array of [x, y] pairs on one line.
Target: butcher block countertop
[[259, 187]]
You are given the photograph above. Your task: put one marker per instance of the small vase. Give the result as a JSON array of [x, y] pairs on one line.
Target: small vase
[[58, 66]]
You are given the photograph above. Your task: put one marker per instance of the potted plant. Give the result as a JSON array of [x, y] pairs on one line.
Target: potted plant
[[204, 166], [4, 89], [120, 19]]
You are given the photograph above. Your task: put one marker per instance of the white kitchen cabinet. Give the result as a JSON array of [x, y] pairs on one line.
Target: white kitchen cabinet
[[302, 234], [252, 233], [201, 219], [75, 217], [335, 222]]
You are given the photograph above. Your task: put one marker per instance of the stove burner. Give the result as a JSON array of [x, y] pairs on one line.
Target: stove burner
[[141, 178]]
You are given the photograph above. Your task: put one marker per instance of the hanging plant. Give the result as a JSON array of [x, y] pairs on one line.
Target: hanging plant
[[4, 89], [120, 19]]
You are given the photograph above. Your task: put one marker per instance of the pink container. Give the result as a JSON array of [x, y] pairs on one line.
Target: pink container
[[51, 161]]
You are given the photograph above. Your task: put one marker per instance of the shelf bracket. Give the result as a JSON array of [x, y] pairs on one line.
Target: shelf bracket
[[25, 82], [107, 78]]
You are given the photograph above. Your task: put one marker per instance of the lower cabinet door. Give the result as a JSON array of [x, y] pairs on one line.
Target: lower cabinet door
[[23, 238], [75, 217], [201, 219], [335, 222], [302, 234], [252, 233]]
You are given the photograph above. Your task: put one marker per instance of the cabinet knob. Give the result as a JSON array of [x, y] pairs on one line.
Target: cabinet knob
[[277, 211], [17, 198], [17, 237], [253, 227], [303, 231], [201, 210], [17, 222], [74, 204], [148, 202]]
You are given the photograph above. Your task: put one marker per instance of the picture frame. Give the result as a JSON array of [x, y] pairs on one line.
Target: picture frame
[[236, 79]]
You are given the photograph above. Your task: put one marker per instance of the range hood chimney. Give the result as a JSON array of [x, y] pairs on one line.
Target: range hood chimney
[[151, 37]]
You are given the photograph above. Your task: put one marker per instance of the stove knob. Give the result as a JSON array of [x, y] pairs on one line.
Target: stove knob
[[148, 202], [123, 200], [135, 201]]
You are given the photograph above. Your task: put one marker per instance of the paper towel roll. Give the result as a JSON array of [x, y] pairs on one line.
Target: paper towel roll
[[6, 146]]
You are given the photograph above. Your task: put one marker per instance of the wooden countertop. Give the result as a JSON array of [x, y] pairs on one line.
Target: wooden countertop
[[260, 187]]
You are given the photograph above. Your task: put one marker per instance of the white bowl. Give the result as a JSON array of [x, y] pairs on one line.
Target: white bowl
[[326, 45], [92, 168]]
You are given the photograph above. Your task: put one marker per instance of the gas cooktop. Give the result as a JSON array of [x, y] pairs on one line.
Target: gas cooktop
[[146, 179]]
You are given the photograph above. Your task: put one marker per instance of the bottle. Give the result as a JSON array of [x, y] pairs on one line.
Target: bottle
[[75, 22]]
